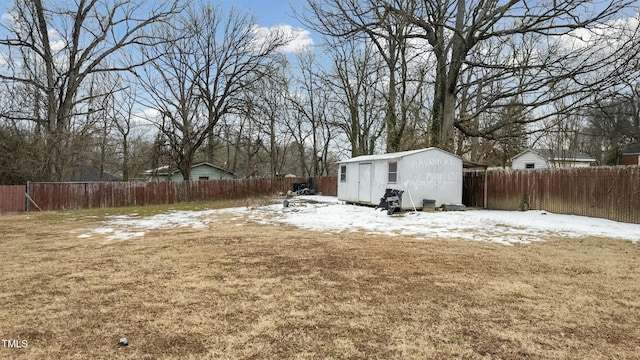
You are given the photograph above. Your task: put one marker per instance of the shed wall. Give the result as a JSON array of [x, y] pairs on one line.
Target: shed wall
[[432, 175]]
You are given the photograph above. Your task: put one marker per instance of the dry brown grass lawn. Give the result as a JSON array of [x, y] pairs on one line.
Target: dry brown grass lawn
[[257, 291]]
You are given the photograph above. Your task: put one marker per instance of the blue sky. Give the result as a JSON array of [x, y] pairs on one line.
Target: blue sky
[[270, 13]]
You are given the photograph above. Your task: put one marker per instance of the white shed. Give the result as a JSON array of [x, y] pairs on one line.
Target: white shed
[[425, 174]]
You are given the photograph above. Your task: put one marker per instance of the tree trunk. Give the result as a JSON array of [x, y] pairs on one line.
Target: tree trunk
[[447, 120], [185, 168], [273, 152], [394, 135], [355, 138], [125, 158]]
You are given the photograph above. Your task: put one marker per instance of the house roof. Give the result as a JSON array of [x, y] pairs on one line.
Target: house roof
[[164, 170], [559, 155], [390, 156], [631, 149], [85, 173]]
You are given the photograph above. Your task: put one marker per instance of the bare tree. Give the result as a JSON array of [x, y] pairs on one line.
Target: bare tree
[[298, 127], [387, 32], [354, 80], [198, 77], [458, 32], [21, 155], [613, 124], [308, 103], [121, 107], [271, 102], [55, 47]]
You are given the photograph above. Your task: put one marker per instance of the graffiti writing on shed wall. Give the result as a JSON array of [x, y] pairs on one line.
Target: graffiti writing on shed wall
[[429, 172]]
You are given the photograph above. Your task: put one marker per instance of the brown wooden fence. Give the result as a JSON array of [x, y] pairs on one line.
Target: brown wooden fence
[[12, 198], [62, 196], [605, 192], [473, 188]]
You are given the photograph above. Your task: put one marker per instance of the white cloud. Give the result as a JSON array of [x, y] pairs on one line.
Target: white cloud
[[300, 38], [13, 27], [603, 39], [147, 114]]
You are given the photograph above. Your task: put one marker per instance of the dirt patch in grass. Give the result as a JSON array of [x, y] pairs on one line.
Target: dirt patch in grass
[[245, 290]]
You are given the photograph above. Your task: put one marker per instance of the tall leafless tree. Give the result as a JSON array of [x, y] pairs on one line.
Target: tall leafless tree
[[55, 47], [198, 77], [311, 102], [355, 79], [564, 62], [271, 108], [458, 30], [121, 112], [376, 25]]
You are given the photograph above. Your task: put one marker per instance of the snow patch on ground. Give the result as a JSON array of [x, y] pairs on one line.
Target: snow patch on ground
[[124, 227], [505, 227], [328, 215]]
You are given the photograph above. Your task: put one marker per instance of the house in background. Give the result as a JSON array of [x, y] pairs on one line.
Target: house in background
[[87, 173], [199, 171], [542, 159], [630, 155], [425, 174]]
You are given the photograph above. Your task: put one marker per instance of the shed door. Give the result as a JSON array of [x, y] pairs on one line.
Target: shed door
[[364, 183]]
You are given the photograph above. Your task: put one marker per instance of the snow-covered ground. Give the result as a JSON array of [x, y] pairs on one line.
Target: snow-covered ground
[[326, 214]]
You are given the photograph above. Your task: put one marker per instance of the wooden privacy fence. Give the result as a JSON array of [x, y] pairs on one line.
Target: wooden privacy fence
[[12, 198], [473, 188], [62, 196], [605, 192]]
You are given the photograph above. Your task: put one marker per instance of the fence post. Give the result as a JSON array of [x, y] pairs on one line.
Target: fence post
[[485, 191], [26, 198]]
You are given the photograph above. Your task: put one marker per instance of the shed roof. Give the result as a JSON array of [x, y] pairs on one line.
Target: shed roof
[[391, 156]]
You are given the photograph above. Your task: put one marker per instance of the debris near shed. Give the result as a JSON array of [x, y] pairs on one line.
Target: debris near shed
[[304, 188], [428, 205], [391, 201], [453, 207]]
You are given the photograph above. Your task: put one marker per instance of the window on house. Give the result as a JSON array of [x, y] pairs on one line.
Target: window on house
[[529, 166], [393, 172], [343, 173], [201, 178]]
